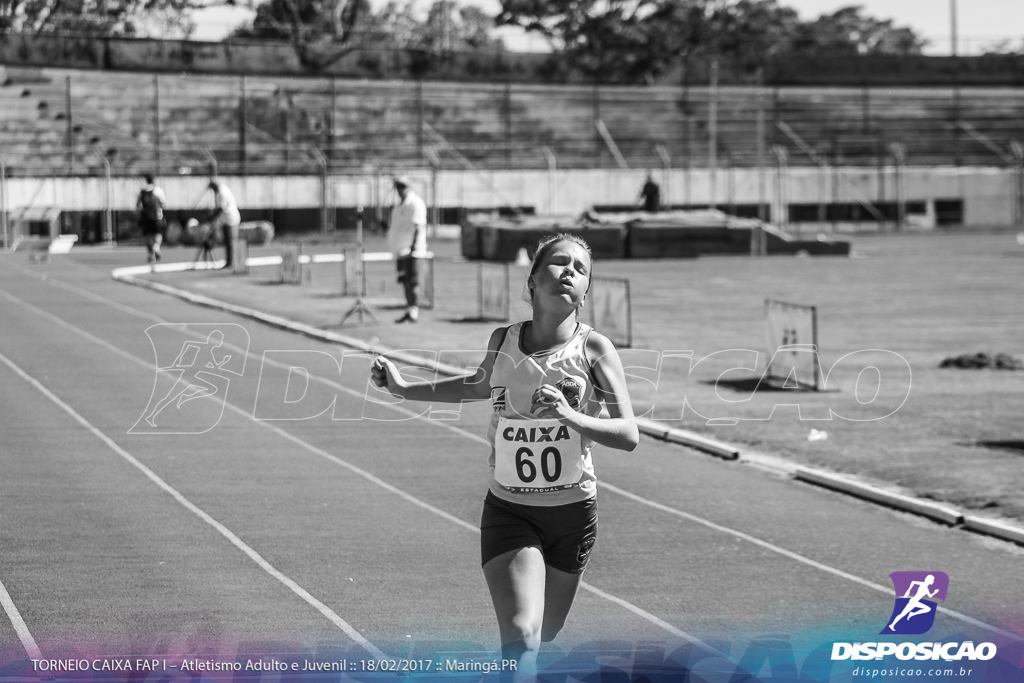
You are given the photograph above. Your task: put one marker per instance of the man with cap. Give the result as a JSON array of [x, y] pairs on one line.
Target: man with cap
[[408, 239]]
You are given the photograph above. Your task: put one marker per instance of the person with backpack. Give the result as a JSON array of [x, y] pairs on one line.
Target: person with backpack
[[150, 208]]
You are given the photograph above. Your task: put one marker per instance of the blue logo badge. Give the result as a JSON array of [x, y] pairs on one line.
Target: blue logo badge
[[916, 593]]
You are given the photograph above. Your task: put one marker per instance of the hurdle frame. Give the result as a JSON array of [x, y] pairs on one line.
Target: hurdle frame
[[814, 341]]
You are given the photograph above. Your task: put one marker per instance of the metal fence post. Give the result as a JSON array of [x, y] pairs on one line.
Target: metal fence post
[[156, 118], [552, 169], [1018, 170], [713, 133], [243, 120], [325, 219], [666, 169], [822, 201], [899, 153], [3, 205], [762, 189], [781, 157], [71, 126], [108, 217], [435, 167]]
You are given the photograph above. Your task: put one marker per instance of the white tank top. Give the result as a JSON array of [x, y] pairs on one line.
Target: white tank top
[[540, 461]]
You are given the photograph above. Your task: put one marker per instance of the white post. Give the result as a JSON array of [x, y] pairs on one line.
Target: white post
[[435, 166], [898, 155], [552, 170], [822, 181], [666, 166], [713, 132], [325, 189], [781, 216], [953, 48], [1018, 186], [762, 181], [3, 205], [108, 218]]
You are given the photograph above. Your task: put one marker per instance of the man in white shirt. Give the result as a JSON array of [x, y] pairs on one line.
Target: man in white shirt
[[226, 217], [407, 236]]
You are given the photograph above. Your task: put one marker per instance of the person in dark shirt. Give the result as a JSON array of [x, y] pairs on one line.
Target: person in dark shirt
[[150, 209], [650, 195]]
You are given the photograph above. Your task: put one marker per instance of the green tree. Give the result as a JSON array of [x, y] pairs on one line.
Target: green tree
[[638, 40], [321, 31], [103, 17], [614, 40], [453, 28], [849, 31], [751, 31]]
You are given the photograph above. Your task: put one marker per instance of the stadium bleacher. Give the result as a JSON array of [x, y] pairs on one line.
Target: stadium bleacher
[[173, 122]]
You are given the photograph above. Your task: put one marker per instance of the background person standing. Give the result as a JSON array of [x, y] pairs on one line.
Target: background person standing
[[150, 207], [650, 195], [408, 239], [226, 217]]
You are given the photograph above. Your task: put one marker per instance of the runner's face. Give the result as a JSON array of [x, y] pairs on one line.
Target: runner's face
[[565, 273]]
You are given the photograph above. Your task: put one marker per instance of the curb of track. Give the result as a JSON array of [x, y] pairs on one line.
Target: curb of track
[[835, 482]]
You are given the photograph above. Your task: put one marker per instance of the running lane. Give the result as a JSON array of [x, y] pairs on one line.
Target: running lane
[[369, 523]]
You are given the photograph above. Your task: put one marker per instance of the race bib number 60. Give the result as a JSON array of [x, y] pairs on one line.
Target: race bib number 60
[[536, 455]]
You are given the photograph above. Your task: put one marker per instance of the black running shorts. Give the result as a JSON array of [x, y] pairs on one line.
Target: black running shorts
[[408, 270], [565, 534]]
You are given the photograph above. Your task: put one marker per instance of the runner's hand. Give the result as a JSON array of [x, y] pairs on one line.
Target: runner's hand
[[549, 403], [384, 374]]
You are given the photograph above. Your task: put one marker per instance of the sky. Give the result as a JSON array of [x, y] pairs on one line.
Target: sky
[[981, 23]]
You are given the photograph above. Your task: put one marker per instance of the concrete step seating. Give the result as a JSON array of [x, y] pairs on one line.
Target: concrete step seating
[[490, 124]]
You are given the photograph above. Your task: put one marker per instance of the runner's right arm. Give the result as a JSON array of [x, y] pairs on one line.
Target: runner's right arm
[[475, 387]]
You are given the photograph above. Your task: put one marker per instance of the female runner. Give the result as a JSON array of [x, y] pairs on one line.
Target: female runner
[[546, 379]]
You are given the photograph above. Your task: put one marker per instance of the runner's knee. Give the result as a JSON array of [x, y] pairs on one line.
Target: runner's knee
[[523, 629]]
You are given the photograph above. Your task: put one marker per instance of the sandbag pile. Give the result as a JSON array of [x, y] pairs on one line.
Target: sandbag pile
[[981, 361]]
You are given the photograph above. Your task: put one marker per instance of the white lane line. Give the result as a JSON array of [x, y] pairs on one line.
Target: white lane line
[[635, 609], [184, 328], [252, 261], [20, 627], [610, 487], [796, 556], [203, 515]]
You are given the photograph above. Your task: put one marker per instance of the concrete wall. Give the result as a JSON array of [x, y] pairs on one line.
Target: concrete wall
[[988, 193]]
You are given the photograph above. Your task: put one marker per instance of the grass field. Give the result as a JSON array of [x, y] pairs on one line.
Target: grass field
[[914, 299]]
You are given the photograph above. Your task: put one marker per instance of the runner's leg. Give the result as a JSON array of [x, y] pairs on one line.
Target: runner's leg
[[559, 593], [516, 581]]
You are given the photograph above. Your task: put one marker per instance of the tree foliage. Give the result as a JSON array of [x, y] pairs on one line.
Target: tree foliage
[[103, 17], [322, 31], [850, 32], [637, 40]]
